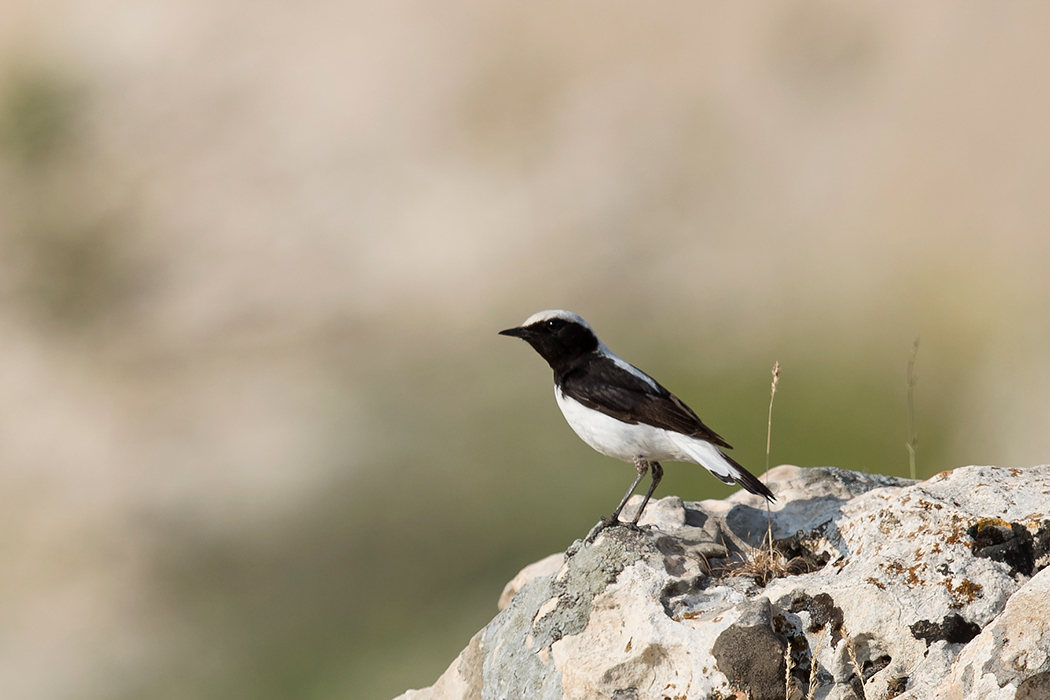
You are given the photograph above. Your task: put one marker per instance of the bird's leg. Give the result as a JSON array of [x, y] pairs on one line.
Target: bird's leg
[[641, 465], [658, 473]]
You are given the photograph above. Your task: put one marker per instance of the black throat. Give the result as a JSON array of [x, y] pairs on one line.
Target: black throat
[[563, 347]]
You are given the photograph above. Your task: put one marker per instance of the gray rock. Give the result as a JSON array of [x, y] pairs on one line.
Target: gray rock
[[1010, 658], [880, 588], [544, 567], [751, 654]]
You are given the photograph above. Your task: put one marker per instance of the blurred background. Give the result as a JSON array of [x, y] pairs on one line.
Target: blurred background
[[258, 436]]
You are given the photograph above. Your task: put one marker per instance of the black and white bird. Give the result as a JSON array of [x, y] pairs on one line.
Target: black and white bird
[[621, 411]]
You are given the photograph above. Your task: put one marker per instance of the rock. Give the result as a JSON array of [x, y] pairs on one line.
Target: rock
[[1010, 658], [876, 588], [751, 655], [544, 567]]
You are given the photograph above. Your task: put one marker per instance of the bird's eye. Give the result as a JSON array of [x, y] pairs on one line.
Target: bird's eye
[[552, 324]]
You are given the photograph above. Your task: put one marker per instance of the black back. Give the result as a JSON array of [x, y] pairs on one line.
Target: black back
[[600, 384]]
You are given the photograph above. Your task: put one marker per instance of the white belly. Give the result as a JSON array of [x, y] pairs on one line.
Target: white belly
[[614, 438]]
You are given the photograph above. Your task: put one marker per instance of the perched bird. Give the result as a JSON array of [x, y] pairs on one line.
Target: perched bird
[[621, 411]]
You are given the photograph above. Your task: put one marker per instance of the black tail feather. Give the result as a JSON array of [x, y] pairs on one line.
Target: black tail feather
[[748, 481]]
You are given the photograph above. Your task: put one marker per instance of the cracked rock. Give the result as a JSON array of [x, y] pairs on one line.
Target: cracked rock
[[911, 590]]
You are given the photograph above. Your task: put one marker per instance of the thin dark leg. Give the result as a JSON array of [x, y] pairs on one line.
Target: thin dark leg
[[641, 465], [658, 473]]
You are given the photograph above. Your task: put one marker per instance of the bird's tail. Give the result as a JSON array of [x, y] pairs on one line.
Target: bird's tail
[[723, 466]]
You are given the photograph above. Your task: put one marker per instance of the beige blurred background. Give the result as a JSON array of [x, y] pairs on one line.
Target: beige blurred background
[[258, 436]]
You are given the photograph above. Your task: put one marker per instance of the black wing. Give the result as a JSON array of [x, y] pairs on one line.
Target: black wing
[[602, 385]]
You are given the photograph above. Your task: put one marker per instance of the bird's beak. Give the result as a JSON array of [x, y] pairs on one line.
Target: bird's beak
[[515, 332]]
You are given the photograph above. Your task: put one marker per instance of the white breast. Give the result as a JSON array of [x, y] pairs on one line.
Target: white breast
[[614, 438]]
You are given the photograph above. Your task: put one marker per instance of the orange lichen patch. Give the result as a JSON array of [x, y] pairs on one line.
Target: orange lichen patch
[[888, 522], [956, 536], [942, 475], [911, 578], [936, 548], [1015, 472], [966, 592], [875, 582]]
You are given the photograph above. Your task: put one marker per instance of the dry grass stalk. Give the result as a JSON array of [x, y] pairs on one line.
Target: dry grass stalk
[[766, 563], [851, 650], [769, 435], [814, 665], [787, 671], [772, 395], [913, 439]]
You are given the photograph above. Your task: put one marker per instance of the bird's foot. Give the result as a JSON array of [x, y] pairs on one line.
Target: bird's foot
[[607, 523], [597, 529]]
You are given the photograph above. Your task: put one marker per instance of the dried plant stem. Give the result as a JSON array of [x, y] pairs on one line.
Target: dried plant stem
[[913, 439], [851, 649], [772, 395], [769, 435], [814, 666], [787, 671]]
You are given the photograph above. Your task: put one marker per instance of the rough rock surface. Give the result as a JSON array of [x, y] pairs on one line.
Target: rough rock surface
[[884, 588]]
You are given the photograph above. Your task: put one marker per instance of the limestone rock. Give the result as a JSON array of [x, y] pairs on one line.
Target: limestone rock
[[876, 588], [544, 567], [1011, 657]]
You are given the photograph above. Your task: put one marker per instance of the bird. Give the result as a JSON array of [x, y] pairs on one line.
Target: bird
[[622, 412]]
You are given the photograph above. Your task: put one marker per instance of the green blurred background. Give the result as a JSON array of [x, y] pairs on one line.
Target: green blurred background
[[258, 436]]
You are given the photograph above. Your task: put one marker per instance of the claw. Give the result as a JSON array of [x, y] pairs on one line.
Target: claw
[[597, 529], [607, 523]]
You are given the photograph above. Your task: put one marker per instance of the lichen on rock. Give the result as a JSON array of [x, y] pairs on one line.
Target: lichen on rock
[[933, 589]]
